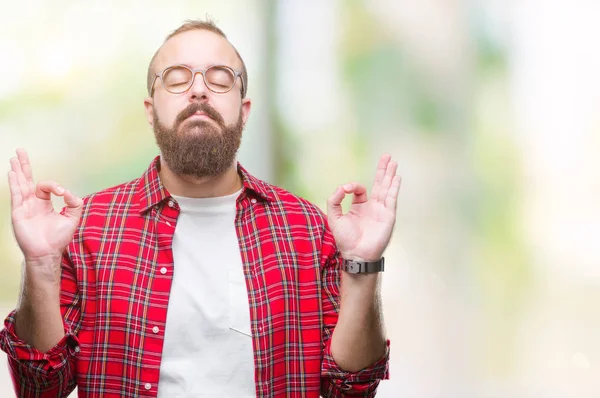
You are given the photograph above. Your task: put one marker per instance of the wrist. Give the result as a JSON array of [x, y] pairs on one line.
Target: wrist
[[45, 269], [356, 257], [42, 260], [364, 287]]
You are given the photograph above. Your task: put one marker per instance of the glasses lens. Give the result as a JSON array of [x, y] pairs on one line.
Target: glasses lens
[[177, 79], [220, 79]]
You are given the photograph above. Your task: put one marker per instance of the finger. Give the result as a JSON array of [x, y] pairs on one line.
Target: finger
[[24, 162], [15, 166], [74, 204], [379, 174], [390, 172], [391, 201], [16, 199], [45, 189], [334, 204], [26, 167], [358, 190]]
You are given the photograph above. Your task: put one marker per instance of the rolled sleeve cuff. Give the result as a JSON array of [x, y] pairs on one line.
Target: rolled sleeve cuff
[[33, 362], [363, 382]]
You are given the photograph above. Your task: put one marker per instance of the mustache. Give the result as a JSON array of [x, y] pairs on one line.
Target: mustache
[[198, 107]]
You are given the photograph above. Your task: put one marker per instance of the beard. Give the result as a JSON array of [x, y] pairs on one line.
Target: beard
[[199, 148]]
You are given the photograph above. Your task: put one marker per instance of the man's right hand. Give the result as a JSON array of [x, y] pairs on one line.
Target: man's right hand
[[41, 232]]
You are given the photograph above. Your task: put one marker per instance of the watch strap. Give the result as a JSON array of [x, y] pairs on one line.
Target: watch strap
[[363, 267]]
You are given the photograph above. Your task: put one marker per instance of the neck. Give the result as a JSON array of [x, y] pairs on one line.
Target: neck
[[223, 184]]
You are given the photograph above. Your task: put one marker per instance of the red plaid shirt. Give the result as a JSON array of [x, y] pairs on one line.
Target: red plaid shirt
[[116, 278]]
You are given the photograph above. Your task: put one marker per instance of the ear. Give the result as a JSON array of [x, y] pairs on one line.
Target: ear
[[246, 106], [149, 108]]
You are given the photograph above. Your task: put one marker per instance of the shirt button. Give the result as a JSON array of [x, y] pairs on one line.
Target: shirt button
[[77, 349], [168, 223], [163, 270], [171, 203], [147, 386], [253, 200], [155, 329]]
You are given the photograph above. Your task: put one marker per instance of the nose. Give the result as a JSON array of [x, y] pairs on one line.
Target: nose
[[198, 91]]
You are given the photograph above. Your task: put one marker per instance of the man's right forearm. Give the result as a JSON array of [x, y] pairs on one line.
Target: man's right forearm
[[38, 318]]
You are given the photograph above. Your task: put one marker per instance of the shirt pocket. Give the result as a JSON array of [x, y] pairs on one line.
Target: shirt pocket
[[239, 310]]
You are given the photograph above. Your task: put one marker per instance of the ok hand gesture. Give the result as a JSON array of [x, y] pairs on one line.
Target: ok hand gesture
[[40, 231], [365, 230]]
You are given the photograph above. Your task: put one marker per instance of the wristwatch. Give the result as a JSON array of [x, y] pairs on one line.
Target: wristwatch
[[363, 267]]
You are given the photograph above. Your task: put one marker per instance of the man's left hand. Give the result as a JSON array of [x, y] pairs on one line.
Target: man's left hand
[[364, 232]]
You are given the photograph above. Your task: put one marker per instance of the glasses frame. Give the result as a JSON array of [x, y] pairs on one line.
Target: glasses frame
[[235, 74]]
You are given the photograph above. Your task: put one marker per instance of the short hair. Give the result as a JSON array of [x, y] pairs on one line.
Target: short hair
[[208, 25]]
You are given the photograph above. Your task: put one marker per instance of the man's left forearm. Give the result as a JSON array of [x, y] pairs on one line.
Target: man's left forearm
[[359, 339]]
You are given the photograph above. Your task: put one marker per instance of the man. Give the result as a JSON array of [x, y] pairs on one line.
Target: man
[[197, 279]]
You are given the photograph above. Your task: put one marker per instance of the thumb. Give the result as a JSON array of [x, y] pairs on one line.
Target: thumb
[[74, 205]]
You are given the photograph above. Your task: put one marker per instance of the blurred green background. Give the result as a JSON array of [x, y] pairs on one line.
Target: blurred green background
[[490, 108]]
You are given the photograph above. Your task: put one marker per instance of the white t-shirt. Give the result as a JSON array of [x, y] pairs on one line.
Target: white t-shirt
[[207, 348]]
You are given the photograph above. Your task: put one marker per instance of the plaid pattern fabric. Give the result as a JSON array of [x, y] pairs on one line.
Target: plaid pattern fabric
[[117, 274]]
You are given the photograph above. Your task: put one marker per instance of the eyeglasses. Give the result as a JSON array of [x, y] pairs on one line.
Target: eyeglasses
[[178, 79]]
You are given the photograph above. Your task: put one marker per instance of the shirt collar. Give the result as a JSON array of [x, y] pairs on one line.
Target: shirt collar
[[151, 191], [259, 187]]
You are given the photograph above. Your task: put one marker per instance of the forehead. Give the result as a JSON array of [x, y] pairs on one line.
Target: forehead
[[197, 49]]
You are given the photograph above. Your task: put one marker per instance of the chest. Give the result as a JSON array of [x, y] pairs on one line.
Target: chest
[[131, 265]]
